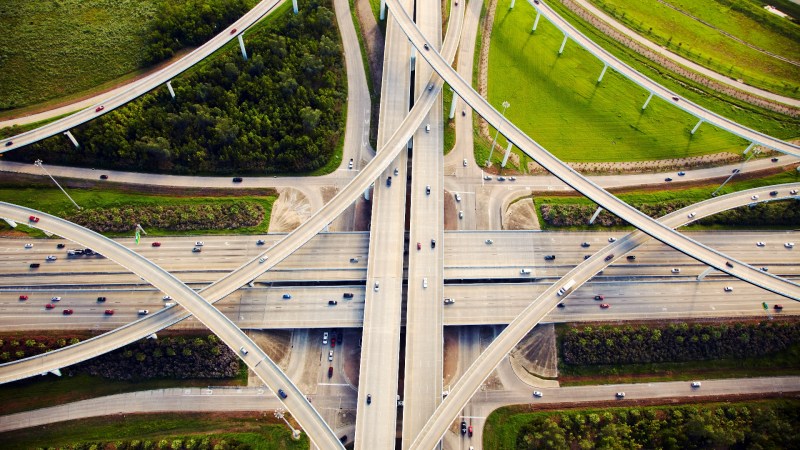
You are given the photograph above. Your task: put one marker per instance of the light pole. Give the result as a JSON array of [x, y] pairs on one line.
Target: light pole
[[39, 164], [497, 131], [279, 415]]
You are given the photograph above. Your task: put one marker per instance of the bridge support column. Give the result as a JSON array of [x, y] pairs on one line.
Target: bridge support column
[[705, 272], [171, 91], [647, 101], [536, 22], [563, 43], [413, 58], [602, 74], [508, 152], [383, 9], [596, 213], [152, 336], [749, 147], [294, 6], [453, 104], [72, 138], [366, 193], [700, 122], [11, 223], [241, 46], [56, 372], [512, 4]]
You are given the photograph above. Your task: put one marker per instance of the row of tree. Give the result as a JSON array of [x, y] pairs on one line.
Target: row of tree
[[229, 214], [281, 111], [613, 344], [763, 425], [180, 443], [15, 347], [779, 213]]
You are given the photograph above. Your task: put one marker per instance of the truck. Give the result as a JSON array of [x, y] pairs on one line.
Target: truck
[[570, 284]]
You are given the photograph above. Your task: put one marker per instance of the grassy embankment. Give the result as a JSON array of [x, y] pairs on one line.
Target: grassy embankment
[[708, 47]]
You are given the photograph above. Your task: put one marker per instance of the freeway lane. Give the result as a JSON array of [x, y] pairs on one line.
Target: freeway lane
[[296, 402]]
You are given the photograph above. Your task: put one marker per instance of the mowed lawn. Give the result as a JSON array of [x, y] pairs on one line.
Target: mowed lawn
[[55, 48], [557, 101], [709, 47]]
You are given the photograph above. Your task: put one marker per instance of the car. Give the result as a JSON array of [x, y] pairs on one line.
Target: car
[[156, 244], [728, 289], [287, 296], [426, 46], [458, 197], [430, 87], [109, 312], [777, 307], [166, 297], [605, 305], [463, 114], [369, 396], [377, 286], [60, 245], [561, 305], [488, 242], [88, 252], [67, 312], [23, 297], [9, 143], [599, 297], [536, 1], [537, 394], [396, 171], [631, 257], [501, 178], [691, 214], [199, 244], [425, 282], [427, 128], [28, 245], [789, 245], [728, 263], [774, 159], [428, 189], [586, 245], [449, 301], [764, 269], [675, 99], [487, 177], [681, 173], [34, 265], [353, 260], [333, 340], [233, 31], [197, 250], [333, 302], [144, 312], [330, 355], [620, 395], [793, 192], [676, 271], [169, 304], [243, 350], [347, 295], [330, 371], [735, 171], [585, 257], [612, 239], [101, 299], [469, 431], [237, 179], [754, 197], [760, 244], [263, 259], [773, 193], [464, 163], [549, 257], [55, 299], [433, 243], [463, 427], [695, 384], [51, 257], [388, 181], [512, 178], [99, 108], [609, 257], [33, 219], [282, 393], [104, 177], [49, 306], [419, 246], [260, 242], [325, 338], [350, 164], [668, 179], [460, 214]]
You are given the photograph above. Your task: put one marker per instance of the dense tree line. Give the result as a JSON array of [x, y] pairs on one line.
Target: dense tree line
[[188, 23], [279, 111], [675, 342], [167, 357], [766, 425], [16, 347], [210, 216], [779, 213], [177, 443]]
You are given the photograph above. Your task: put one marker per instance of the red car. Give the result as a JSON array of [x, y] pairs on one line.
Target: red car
[[156, 244], [330, 371], [33, 219], [605, 305], [599, 297], [419, 246], [49, 306], [23, 297], [469, 431], [99, 108], [109, 312], [68, 312], [233, 31], [333, 342]]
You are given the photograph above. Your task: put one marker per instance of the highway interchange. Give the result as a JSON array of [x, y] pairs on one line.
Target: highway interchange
[[384, 274]]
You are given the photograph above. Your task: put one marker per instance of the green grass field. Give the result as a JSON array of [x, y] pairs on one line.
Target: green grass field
[[709, 47], [55, 48], [260, 431], [558, 102]]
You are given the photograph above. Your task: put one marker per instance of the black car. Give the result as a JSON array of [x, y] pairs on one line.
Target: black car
[[631, 258], [433, 243], [463, 427], [34, 265], [735, 171], [333, 302], [104, 177], [197, 250], [237, 179], [9, 144], [610, 257], [773, 193], [369, 399], [773, 159], [561, 305], [101, 299], [348, 295], [585, 257], [668, 179], [426, 47], [728, 263], [549, 257], [60, 246], [389, 181], [585, 245]]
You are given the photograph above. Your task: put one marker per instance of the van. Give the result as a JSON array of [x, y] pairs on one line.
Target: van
[[144, 312]]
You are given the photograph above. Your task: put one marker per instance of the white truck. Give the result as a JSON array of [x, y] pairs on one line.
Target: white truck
[[565, 288]]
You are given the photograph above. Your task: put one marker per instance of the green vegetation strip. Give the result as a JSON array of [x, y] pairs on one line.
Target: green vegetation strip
[[97, 203], [756, 424], [160, 431]]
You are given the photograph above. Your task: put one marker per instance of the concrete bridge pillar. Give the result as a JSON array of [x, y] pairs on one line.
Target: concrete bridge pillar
[[536, 22], [596, 213], [241, 45], [171, 91], [647, 101], [563, 43], [605, 67], [700, 122], [72, 138]]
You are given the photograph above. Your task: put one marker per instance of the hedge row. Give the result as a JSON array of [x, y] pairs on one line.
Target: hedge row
[[180, 443], [675, 342], [209, 216], [13, 348]]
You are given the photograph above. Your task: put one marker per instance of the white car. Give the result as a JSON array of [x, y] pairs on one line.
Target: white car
[[728, 289], [691, 214], [465, 163], [793, 192], [51, 258], [458, 197], [166, 297], [695, 384], [325, 338], [198, 244], [169, 304], [55, 299], [377, 286], [537, 394], [612, 239], [754, 197], [676, 270], [425, 282], [263, 259], [487, 177], [330, 355], [461, 214], [350, 165], [28, 245], [760, 244], [512, 178], [789, 244]]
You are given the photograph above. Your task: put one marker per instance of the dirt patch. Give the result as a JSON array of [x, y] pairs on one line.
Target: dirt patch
[[521, 215], [276, 344], [363, 215], [290, 210], [375, 42], [487, 335], [536, 354], [352, 361], [328, 192], [450, 361], [450, 212]]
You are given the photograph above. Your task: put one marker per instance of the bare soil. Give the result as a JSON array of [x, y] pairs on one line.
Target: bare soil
[[374, 42], [450, 212], [536, 353], [450, 361], [290, 210], [521, 215], [276, 344], [352, 351]]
